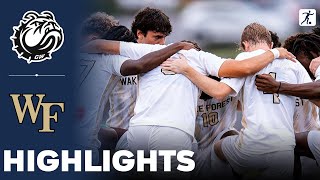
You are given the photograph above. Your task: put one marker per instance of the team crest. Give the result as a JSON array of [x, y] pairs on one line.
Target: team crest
[[37, 36]]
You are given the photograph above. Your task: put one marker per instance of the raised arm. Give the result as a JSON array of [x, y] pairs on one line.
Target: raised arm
[[101, 46], [250, 66], [213, 88], [153, 59], [268, 84], [230, 68]]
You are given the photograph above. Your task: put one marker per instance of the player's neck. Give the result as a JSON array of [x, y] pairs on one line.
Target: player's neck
[[255, 47]]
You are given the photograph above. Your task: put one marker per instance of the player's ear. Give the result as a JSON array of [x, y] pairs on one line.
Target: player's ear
[[271, 45], [140, 34], [245, 45]]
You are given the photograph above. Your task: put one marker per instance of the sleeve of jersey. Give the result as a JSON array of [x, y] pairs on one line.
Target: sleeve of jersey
[[235, 83], [210, 63], [303, 75], [117, 62], [135, 51]]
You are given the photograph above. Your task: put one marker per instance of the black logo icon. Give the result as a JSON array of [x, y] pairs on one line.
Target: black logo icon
[[37, 36], [307, 17]]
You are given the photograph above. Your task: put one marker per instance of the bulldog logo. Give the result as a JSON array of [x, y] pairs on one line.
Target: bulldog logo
[[37, 36]]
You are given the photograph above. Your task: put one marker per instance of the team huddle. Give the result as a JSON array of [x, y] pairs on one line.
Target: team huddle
[[136, 93]]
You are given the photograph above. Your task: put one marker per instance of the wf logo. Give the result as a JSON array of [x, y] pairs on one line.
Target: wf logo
[[34, 110]]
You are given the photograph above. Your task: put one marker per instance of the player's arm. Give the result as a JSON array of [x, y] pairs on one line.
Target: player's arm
[[101, 46], [268, 84], [213, 88], [316, 102], [229, 68], [153, 59], [250, 66]]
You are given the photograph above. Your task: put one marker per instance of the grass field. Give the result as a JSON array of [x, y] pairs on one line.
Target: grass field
[[225, 51]]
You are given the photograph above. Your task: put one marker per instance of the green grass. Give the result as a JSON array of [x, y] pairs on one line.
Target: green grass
[[225, 51]]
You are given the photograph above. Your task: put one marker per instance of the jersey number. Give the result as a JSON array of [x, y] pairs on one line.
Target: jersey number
[[276, 99], [210, 119], [86, 66]]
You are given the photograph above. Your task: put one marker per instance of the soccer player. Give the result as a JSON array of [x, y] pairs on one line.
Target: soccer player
[[100, 73], [150, 26], [215, 120], [306, 47], [266, 141], [165, 108]]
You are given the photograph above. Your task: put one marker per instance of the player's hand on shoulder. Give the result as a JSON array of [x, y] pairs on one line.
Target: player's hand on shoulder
[[285, 54], [178, 66], [267, 83], [314, 65], [187, 45]]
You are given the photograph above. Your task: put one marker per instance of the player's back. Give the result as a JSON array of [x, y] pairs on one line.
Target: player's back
[[97, 77], [213, 117], [168, 100], [122, 101], [268, 118], [306, 116]]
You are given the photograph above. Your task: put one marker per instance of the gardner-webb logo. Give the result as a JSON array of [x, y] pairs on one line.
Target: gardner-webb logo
[[37, 36], [34, 110]]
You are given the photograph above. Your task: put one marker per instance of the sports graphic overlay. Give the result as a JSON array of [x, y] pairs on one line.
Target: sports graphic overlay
[[37, 36]]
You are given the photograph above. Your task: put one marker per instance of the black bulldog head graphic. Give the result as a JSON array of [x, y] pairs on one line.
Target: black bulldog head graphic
[[37, 36]]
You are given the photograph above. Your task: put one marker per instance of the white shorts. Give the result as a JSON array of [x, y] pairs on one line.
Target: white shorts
[[158, 138], [314, 144], [203, 156], [276, 164]]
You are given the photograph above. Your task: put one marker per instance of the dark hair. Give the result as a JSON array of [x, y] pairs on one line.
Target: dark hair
[[316, 31], [120, 33], [275, 39], [98, 23], [196, 45], [303, 43], [150, 19]]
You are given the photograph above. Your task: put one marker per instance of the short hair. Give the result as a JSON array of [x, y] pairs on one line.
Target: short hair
[[98, 23], [275, 39], [150, 19], [255, 33], [120, 33]]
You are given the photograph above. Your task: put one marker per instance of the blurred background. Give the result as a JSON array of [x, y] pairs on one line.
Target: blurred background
[[215, 24]]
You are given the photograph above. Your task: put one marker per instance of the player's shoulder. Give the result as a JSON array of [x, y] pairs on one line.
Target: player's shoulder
[[245, 55], [289, 64]]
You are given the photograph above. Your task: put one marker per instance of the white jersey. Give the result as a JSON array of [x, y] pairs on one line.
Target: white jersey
[[317, 74], [122, 101], [97, 79], [306, 116], [267, 118], [213, 117], [169, 100]]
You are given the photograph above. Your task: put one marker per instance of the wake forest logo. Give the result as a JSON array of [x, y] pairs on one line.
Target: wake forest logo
[[34, 110], [37, 36]]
